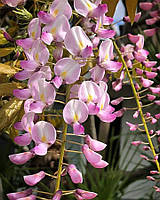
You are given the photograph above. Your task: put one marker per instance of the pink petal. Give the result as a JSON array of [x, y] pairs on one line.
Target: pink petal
[[145, 5], [22, 93], [58, 52], [150, 64], [90, 155], [151, 21], [34, 28], [155, 90], [106, 116], [45, 17], [133, 38], [75, 174], [18, 126], [58, 28], [40, 149], [151, 97], [117, 101], [25, 43], [78, 129], [34, 179], [57, 81], [87, 52], [99, 11], [133, 127], [47, 38], [146, 82], [150, 74], [93, 108], [57, 195], [83, 8], [68, 69], [75, 111], [37, 107], [105, 33], [43, 132], [23, 140], [20, 158], [23, 75], [76, 40], [150, 32], [100, 164], [94, 145], [85, 194], [106, 50], [29, 65], [154, 13], [27, 121], [112, 66], [17, 195], [61, 8], [97, 73], [117, 85], [30, 197]]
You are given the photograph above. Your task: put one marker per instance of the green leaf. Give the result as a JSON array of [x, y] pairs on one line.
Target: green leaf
[[131, 9]]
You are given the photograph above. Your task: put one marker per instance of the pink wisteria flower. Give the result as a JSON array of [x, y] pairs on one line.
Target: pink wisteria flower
[[13, 3], [57, 195], [21, 158], [18, 195], [34, 179], [93, 158], [75, 174], [27, 125], [83, 194], [75, 112], [44, 135], [67, 70], [77, 42], [93, 144]]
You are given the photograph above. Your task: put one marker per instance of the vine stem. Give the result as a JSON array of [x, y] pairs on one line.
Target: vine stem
[[64, 136], [138, 104]]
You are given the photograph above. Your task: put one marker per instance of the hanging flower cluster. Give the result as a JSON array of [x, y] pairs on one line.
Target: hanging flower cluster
[[153, 8], [79, 57], [90, 93]]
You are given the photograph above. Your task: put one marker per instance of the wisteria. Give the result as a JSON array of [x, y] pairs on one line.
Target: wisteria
[[70, 56]]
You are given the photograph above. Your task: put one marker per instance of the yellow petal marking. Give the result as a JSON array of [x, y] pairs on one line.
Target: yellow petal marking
[[55, 12], [75, 118], [90, 98], [89, 6], [81, 45], [53, 30], [44, 139], [106, 57], [29, 129], [33, 34], [42, 97], [63, 74], [37, 57]]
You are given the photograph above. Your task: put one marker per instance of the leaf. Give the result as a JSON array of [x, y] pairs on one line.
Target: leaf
[[112, 4], [131, 9], [6, 89], [9, 111], [6, 51], [2, 39], [6, 69]]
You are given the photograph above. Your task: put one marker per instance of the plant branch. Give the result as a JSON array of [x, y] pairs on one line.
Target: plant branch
[[138, 104]]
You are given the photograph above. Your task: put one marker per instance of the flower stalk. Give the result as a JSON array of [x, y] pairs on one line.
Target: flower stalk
[[138, 104]]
